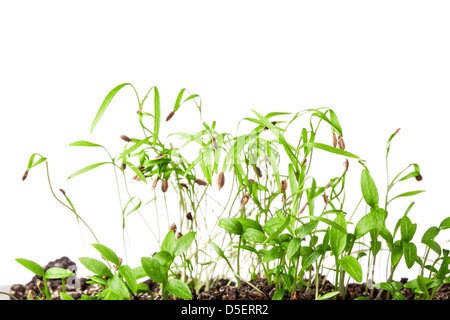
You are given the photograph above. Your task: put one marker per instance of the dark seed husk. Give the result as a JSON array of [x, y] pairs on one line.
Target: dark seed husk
[[341, 143], [284, 185], [334, 140], [155, 182], [189, 216], [245, 199], [179, 235], [419, 177], [170, 115], [302, 209], [62, 191], [201, 182], [346, 165], [25, 175], [220, 180], [164, 185], [173, 227], [125, 138], [184, 185]]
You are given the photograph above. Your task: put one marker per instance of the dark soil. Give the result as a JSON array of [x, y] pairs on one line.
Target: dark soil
[[220, 290]]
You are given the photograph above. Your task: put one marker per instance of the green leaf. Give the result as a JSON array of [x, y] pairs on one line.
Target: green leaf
[[97, 267], [407, 229], [249, 223], [118, 287], [406, 194], [83, 143], [179, 289], [92, 166], [293, 247], [328, 295], [153, 269], [183, 244], [338, 238], [58, 273], [352, 267], [168, 243], [397, 253], [129, 277], [106, 102], [107, 253], [410, 253], [65, 296], [164, 258], [231, 225], [306, 229], [139, 272], [433, 245], [306, 263], [335, 122], [279, 294], [422, 286], [254, 235], [369, 189], [157, 116], [374, 220], [32, 266], [445, 224], [178, 101], [330, 149], [430, 234]]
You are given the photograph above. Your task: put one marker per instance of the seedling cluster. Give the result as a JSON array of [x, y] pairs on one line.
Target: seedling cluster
[[278, 222]]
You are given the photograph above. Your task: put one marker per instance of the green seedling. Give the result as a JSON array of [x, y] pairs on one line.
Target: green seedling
[[51, 273], [159, 266], [278, 220]]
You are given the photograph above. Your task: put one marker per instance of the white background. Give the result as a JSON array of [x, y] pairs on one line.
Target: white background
[[380, 65]]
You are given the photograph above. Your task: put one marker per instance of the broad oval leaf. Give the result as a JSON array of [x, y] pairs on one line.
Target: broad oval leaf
[[107, 253], [58, 273], [293, 247], [352, 267], [254, 235], [410, 253], [32, 266], [129, 277], [117, 286], [231, 225], [153, 269], [369, 189], [97, 267], [179, 289], [445, 224], [183, 243]]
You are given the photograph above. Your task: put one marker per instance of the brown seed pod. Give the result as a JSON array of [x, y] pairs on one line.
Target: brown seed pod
[[164, 185], [325, 197], [284, 185], [397, 131], [173, 227], [184, 185], [334, 140], [136, 177], [283, 198], [124, 165], [62, 191], [189, 216], [346, 165], [125, 138], [304, 160], [328, 185], [302, 209], [214, 143], [341, 143], [251, 181], [179, 235], [245, 199], [25, 175], [220, 180], [258, 172], [201, 182], [419, 177], [155, 182], [170, 115]]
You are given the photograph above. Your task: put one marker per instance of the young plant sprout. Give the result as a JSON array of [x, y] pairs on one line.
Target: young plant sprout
[[277, 221]]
